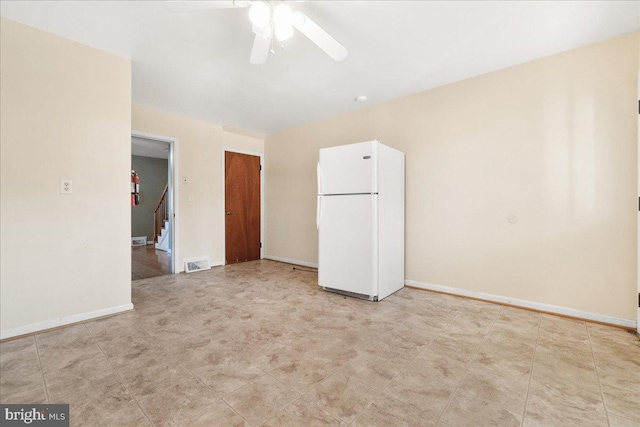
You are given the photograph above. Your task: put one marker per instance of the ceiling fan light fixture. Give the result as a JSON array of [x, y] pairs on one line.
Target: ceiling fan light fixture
[[260, 14], [282, 17], [283, 31], [282, 14], [298, 18]]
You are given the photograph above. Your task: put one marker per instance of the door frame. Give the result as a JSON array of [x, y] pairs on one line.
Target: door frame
[[224, 199], [638, 213], [173, 190]]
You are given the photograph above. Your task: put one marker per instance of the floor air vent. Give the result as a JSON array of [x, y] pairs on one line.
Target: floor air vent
[[139, 241], [197, 265]]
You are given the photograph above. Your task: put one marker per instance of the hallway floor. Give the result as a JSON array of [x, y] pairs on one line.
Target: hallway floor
[[259, 343], [147, 262]]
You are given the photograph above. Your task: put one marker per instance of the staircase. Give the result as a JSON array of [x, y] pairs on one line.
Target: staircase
[[161, 222]]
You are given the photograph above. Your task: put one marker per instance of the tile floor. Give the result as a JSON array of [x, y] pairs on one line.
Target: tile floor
[[260, 344]]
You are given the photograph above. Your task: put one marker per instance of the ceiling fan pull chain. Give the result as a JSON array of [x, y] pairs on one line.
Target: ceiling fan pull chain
[[273, 52]]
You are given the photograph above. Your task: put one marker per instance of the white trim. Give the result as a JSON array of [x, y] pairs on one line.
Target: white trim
[[49, 324], [566, 311], [291, 261], [224, 201], [638, 213], [174, 249]]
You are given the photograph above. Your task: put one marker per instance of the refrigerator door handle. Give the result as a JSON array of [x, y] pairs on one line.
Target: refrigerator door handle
[[318, 212], [319, 174]]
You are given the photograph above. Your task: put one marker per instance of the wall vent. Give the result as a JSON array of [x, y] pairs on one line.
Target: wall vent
[[139, 241], [196, 264]]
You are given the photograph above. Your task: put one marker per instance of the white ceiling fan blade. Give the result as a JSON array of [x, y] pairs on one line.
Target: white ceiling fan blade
[[199, 5], [260, 50], [319, 36]]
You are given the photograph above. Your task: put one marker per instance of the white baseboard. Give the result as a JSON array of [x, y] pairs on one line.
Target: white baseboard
[[291, 261], [554, 309], [49, 324]]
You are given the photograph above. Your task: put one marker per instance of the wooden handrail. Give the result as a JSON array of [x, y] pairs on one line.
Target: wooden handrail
[[161, 213], [164, 194]]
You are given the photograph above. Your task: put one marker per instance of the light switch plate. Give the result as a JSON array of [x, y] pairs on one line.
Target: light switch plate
[[66, 186]]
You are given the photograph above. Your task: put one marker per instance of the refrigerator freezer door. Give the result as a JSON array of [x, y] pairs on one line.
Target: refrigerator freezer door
[[348, 244], [349, 169]]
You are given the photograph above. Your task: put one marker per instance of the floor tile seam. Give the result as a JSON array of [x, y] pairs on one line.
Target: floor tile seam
[[230, 407], [135, 399], [200, 380], [220, 394], [475, 357], [224, 399], [44, 382], [406, 402], [288, 405], [361, 412], [414, 358], [301, 359], [306, 389], [157, 386], [595, 366], [615, 363], [399, 398], [533, 364], [282, 382], [67, 382], [351, 377], [19, 362], [426, 344], [625, 417], [493, 403]]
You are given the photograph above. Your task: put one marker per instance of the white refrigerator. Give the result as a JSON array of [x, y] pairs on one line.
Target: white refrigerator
[[360, 220]]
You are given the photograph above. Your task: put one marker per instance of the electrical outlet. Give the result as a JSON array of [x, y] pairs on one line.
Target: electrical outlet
[[66, 186]]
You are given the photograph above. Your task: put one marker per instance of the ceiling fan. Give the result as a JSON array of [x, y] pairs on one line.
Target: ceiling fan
[[270, 19]]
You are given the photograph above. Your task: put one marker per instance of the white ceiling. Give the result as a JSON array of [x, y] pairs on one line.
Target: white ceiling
[[149, 148], [197, 64]]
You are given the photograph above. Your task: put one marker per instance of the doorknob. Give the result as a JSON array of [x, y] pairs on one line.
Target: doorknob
[[228, 213]]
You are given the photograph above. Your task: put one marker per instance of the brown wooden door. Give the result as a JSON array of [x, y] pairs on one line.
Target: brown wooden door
[[242, 207]]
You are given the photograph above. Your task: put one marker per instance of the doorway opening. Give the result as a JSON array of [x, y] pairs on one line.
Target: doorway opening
[[243, 205], [152, 206]]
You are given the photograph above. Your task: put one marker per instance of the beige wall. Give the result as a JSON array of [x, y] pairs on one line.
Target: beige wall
[[201, 221], [65, 114], [553, 142]]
